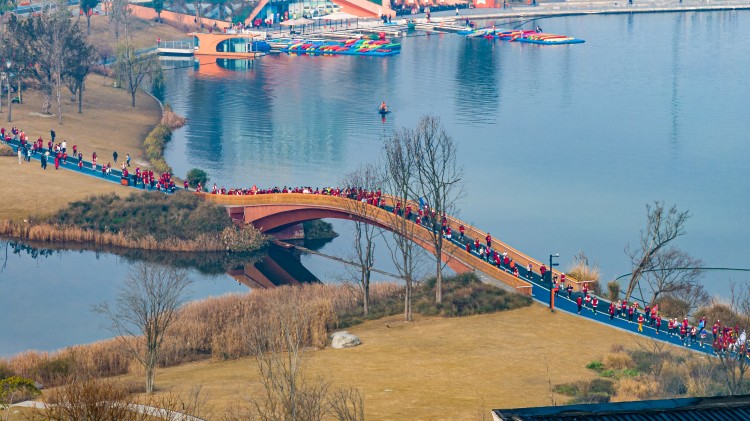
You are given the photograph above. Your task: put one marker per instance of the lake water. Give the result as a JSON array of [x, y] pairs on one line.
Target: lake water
[[562, 147]]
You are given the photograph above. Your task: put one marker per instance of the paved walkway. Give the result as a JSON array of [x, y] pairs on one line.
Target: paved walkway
[[87, 169]]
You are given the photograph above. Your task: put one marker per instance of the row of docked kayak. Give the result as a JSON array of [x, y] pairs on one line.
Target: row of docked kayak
[[528, 36], [354, 47]]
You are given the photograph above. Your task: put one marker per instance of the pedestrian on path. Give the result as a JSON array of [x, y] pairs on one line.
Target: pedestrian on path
[[640, 323], [611, 310], [127, 159], [52, 134], [569, 290], [594, 304], [579, 301], [658, 323], [114, 156]]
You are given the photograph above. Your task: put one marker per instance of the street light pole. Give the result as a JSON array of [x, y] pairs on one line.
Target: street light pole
[[551, 286]]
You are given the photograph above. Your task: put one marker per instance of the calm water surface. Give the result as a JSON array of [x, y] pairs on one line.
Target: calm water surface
[[562, 147]]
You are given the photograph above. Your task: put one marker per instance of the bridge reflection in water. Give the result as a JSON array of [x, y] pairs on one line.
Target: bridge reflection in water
[[281, 265]]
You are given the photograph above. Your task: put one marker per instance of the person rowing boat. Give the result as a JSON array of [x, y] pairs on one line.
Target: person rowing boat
[[383, 109]]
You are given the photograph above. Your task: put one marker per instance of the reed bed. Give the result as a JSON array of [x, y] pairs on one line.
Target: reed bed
[[222, 328], [54, 233], [215, 328], [171, 119]]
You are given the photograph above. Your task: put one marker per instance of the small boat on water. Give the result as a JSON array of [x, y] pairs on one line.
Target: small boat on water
[[383, 111], [547, 39]]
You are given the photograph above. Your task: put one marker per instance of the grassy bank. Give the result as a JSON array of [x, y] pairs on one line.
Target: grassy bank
[[217, 328], [147, 221]]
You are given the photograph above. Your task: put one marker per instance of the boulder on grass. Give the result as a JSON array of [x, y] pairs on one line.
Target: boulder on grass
[[344, 339]]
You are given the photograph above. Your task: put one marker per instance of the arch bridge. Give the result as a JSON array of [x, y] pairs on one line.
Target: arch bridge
[[267, 212]]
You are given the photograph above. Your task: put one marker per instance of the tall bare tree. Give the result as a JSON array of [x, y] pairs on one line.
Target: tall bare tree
[[119, 16], [288, 394], [672, 270], [662, 226], [399, 179], [439, 182], [147, 305], [367, 179], [133, 68]]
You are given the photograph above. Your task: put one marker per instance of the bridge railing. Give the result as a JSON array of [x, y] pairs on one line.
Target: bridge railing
[[380, 216]]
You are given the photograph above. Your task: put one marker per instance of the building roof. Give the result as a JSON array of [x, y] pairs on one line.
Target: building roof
[[718, 408]]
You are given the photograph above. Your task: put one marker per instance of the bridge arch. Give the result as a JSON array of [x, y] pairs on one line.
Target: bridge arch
[[270, 211]]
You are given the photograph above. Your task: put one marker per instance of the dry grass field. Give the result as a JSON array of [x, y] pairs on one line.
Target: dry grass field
[[434, 368]]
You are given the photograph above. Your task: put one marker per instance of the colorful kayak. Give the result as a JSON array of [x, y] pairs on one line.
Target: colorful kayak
[[548, 39]]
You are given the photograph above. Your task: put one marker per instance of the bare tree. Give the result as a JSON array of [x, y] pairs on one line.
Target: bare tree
[[690, 298], [439, 182], [733, 362], [366, 179], [399, 178], [92, 399], [288, 394], [119, 17], [133, 68], [672, 270], [662, 226], [348, 405], [147, 305]]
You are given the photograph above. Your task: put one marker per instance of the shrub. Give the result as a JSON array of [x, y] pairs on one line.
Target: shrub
[[154, 145], [613, 289], [721, 312], [195, 176], [619, 361], [634, 389], [567, 389], [6, 150], [647, 362], [603, 386], [672, 306], [597, 366], [465, 295]]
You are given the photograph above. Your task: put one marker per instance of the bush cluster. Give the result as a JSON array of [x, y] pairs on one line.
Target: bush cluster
[[181, 216], [463, 295], [154, 144], [6, 150]]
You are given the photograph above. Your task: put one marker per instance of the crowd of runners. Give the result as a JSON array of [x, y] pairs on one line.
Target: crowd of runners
[[60, 153], [722, 338]]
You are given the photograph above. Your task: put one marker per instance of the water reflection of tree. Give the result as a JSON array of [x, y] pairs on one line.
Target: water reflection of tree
[[476, 78], [213, 263]]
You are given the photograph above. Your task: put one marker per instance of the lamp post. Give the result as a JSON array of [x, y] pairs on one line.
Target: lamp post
[[551, 286], [7, 77]]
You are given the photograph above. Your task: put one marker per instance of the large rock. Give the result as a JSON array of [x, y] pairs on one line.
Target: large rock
[[344, 339]]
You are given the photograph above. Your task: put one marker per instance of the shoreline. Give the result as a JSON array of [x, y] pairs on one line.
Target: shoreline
[[559, 9]]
